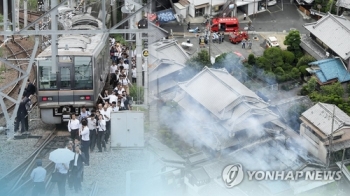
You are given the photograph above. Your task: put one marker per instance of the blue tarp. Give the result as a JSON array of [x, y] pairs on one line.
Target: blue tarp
[[166, 16]]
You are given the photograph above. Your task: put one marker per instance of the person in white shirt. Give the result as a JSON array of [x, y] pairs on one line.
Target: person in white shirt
[[83, 113], [106, 112], [111, 97], [85, 140], [125, 83], [126, 66], [119, 89], [101, 133], [62, 168], [133, 74], [115, 108], [73, 126], [113, 68], [92, 122]]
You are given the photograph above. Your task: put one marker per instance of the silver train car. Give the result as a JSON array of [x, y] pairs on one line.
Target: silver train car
[[82, 70]]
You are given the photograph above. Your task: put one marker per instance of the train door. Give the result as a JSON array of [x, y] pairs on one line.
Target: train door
[[65, 80], [65, 77]]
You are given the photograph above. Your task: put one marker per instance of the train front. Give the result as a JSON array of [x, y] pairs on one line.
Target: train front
[[77, 75]]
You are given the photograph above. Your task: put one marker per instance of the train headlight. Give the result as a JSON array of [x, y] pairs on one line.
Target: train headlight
[[46, 98]]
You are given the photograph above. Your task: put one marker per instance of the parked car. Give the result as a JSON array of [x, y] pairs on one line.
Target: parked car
[[272, 42], [271, 2]]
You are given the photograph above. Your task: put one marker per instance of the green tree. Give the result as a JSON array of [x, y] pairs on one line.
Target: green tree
[[305, 60], [332, 89], [274, 56], [251, 59], [279, 71], [311, 85], [288, 57], [195, 64], [293, 41], [295, 74]]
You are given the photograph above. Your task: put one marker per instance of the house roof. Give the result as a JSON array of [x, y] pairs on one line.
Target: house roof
[[320, 115], [330, 69], [333, 31], [215, 89], [167, 49], [163, 68], [343, 3]]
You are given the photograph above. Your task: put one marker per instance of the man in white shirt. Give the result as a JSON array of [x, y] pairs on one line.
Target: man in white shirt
[[93, 131], [112, 97], [85, 140], [133, 74], [38, 176], [115, 108], [83, 113], [73, 126], [106, 113], [126, 67], [62, 168]]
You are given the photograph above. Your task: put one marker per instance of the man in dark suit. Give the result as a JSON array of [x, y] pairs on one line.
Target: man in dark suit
[[22, 115], [31, 89], [77, 168]]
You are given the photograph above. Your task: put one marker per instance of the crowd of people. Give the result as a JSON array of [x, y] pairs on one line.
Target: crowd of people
[[92, 129]]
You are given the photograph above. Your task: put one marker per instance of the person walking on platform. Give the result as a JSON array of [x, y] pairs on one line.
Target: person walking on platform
[[92, 122], [85, 140], [38, 176], [77, 168], [101, 133], [62, 168], [106, 112], [73, 126]]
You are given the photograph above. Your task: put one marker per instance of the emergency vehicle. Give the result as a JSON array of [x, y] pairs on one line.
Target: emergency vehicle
[[224, 24], [238, 36]]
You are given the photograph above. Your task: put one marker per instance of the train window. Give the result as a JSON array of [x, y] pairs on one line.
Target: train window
[[65, 78], [47, 79], [64, 59], [83, 73]]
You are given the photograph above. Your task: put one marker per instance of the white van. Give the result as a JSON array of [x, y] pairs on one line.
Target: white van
[[272, 42]]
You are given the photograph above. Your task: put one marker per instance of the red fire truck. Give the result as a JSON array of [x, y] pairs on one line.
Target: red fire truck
[[224, 24]]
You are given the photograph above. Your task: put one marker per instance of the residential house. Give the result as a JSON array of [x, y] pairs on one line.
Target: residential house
[[328, 37], [225, 113], [163, 78], [197, 8], [329, 71], [319, 123], [269, 154]]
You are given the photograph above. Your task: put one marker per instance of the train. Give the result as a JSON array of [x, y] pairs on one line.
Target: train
[[82, 70]]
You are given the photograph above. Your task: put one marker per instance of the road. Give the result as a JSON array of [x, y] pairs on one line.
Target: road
[[273, 20]]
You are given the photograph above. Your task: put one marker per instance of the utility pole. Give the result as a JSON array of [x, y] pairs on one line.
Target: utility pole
[[209, 41], [5, 9], [54, 67], [25, 7], [331, 140]]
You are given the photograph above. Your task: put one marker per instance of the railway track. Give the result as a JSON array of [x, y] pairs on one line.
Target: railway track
[[17, 51], [18, 182]]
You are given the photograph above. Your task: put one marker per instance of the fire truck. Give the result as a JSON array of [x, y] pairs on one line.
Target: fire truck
[[224, 24], [238, 36]]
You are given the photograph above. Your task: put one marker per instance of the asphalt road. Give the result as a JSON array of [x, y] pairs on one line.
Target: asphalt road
[[273, 20]]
